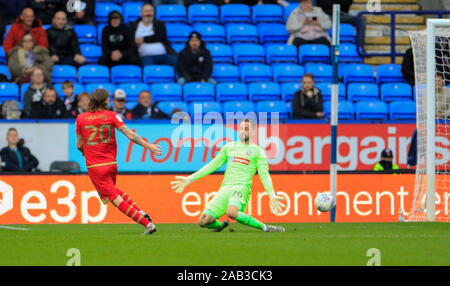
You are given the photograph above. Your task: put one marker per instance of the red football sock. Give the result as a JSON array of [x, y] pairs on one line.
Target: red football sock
[[133, 213], [128, 199]]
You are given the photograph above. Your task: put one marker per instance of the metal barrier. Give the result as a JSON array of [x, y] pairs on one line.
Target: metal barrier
[[393, 53]]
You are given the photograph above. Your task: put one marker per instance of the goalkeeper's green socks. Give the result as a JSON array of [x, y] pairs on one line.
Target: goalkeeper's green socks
[[250, 221], [214, 225]]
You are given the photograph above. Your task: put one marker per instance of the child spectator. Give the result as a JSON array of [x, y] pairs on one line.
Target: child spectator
[[82, 106], [70, 98]]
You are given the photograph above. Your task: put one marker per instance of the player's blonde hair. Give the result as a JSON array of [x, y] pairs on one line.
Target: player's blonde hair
[[98, 100]]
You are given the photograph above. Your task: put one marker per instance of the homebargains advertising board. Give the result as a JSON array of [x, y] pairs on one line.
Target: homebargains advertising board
[[288, 146], [73, 199]]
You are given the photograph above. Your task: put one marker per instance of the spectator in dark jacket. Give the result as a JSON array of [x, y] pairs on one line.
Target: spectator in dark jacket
[[118, 43], [16, 157], [151, 39], [25, 23], [64, 47], [195, 61], [35, 91], [308, 101], [118, 104], [82, 12], [408, 67], [45, 9], [145, 109], [50, 107]]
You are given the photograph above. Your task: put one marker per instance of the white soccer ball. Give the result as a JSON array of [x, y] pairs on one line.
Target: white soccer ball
[[324, 202]]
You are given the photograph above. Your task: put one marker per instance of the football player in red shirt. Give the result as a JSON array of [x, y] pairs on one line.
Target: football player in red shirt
[[96, 139]]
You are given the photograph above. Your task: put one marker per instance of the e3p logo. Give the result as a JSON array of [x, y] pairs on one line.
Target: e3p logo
[[6, 197]]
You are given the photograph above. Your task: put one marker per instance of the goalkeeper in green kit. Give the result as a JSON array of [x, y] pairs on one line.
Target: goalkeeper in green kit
[[243, 158]]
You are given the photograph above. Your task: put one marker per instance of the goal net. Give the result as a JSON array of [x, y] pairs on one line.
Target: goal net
[[431, 49]]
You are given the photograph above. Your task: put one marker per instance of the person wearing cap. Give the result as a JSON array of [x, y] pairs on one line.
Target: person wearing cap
[[145, 109], [151, 39], [118, 47], [195, 61], [386, 162], [118, 104]]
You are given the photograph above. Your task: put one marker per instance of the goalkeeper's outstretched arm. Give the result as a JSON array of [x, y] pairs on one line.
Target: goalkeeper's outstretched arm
[[182, 182], [264, 176]]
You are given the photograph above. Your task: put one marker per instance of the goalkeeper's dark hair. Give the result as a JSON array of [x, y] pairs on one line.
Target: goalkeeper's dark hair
[[98, 100]]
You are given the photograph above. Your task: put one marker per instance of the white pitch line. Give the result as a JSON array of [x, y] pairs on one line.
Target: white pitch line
[[13, 228]]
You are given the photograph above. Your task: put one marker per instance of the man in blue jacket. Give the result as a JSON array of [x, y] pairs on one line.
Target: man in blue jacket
[[16, 157]]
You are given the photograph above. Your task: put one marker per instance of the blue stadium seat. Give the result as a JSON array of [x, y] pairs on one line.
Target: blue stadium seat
[[287, 72], [61, 73], [288, 89], [281, 53], [258, 91], [110, 87], [91, 52], [100, 27], [231, 91], [211, 33], [9, 91], [267, 13], [225, 73], [288, 9], [166, 92], [239, 106], [132, 90], [86, 34], [389, 73], [273, 107], [77, 89], [168, 106], [126, 73], [289, 108], [325, 87], [171, 13], [130, 104], [248, 53], [23, 89], [358, 73], [203, 13], [207, 109], [399, 110], [7, 27], [396, 92], [102, 10], [321, 72], [314, 53], [132, 11], [220, 53], [198, 91], [5, 70], [177, 32], [235, 13], [272, 33], [346, 110], [255, 72], [93, 73], [159, 73], [363, 92], [371, 110], [347, 33], [178, 46], [348, 53], [2, 56], [241, 33]]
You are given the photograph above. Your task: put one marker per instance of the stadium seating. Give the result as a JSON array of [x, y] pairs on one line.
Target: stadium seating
[[77, 89], [178, 46], [348, 53], [132, 90], [281, 53], [347, 33], [255, 72], [246, 53], [389, 73], [289, 108], [272, 33], [5, 70], [402, 110], [100, 27], [321, 72], [225, 73], [358, 73], [314, 53], [395, 92], [203, 13], [62, 73], [287, 73], [168, 106], [171, 13], [267, 13], [2, 56], [23, 89], [211, 32], [371, 110], [288, 89], [363, 92], [90, 87], [132, 11], [346, 110], [288, 10], [231, 91], [103, 9], [238, 106], [198, 91], [241, 32], [86, 34], [178, 32], [258, 91], [235, 13], [272, 109], [325, 87], [126, 73], [166, 92], [221, 53], [9, 91], [93, 73], [159, 73], [203, 108], [91, 52]]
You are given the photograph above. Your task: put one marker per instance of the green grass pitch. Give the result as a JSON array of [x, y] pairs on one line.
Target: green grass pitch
[[187, 244]]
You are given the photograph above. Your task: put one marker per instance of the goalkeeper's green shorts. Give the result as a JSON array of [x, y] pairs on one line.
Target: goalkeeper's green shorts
[[236, 195]]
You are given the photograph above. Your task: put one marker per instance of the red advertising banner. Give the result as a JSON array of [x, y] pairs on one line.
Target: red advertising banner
[[73, 199]]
